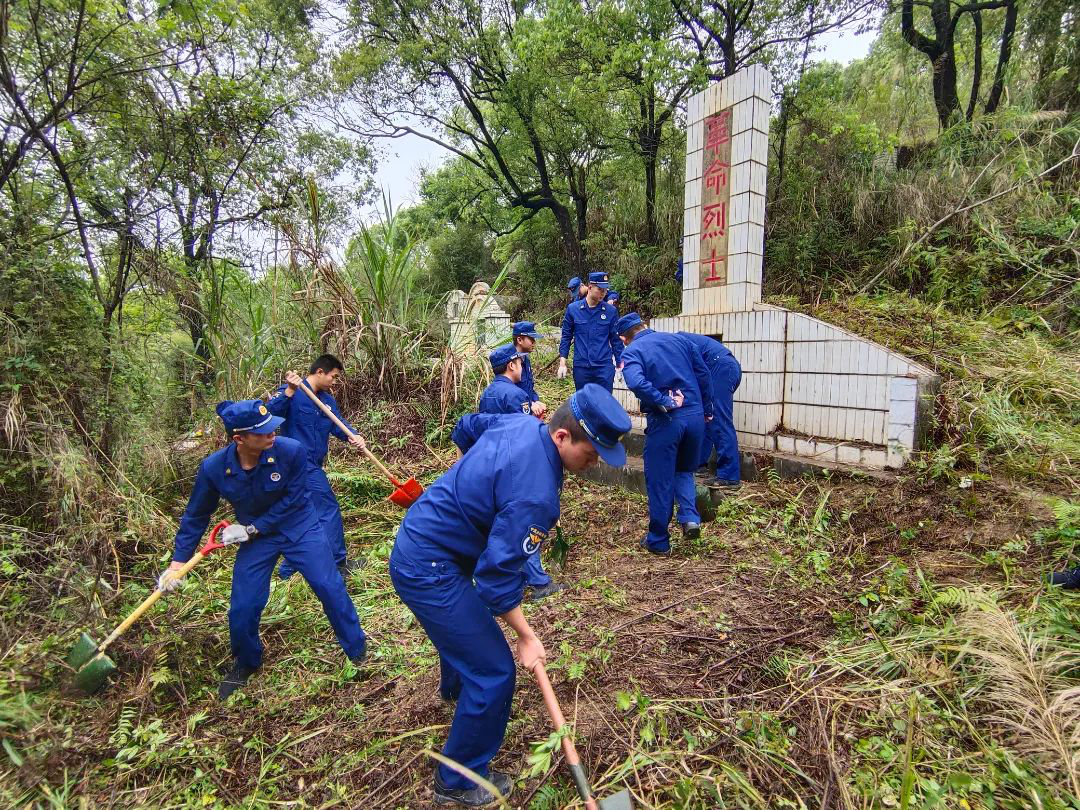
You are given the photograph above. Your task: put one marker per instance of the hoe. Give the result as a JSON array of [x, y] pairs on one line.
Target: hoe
[[88, 658]]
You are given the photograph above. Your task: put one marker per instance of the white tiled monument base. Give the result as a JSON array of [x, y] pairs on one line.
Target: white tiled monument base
[[809, 388], [812, 389]]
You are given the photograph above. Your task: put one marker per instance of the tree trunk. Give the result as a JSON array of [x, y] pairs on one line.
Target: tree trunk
[[946, 98], [976, 67], [1004, 55]]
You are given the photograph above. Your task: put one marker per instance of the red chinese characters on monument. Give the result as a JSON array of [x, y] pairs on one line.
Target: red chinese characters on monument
[[715, 198]]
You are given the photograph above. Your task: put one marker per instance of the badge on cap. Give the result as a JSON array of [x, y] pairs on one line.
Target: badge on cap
[[263, 411], [275, 476]]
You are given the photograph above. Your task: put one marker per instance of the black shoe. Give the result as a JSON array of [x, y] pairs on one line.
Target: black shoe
[[358, 660], [725, 483], [546, 590], [237, 677], [691, 530], [472, 797], [645, 545], [1069, 580], [349, 566]]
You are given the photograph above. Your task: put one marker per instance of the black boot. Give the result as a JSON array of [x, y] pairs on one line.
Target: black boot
[[1069, 580], [347, 567], [236, 677], [691, 530], [546, 590], [472, 797]]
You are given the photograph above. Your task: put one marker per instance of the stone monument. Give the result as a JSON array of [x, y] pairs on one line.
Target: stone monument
[[809, 389], [477, 323]]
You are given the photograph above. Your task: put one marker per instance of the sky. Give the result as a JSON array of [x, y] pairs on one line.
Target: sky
[[404, 159]]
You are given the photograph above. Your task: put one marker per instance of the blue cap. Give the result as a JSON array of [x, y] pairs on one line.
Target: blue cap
[[604, 421], [503, 355], [600, 280], [575, 282], [249, 416], [627, 322], [526, 328], [613, 295]]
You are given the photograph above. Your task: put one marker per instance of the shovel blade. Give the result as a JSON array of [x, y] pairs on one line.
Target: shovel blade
[[85, 649], [406, 493], [93, 676], [617, 801]]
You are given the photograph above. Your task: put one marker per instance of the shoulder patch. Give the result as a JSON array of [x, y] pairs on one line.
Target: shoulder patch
[[533, 540]]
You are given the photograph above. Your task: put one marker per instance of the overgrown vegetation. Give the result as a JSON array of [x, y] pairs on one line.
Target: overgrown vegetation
[[179, 223]]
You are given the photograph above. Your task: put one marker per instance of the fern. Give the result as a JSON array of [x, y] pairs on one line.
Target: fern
[[124, 724], [967, 598]]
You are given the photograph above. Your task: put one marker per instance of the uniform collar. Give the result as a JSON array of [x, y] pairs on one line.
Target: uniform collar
[[232, 459]]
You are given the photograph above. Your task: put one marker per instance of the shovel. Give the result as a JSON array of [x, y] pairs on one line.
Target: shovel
[[88, 657], [618, 801], [405, 492]]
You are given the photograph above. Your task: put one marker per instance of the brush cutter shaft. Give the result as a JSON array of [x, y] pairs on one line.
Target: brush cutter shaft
[[333, 418], [569, 751]]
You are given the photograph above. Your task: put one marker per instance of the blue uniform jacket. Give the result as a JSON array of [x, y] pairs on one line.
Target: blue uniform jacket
[[592, 330], [527, 383], [306, 423], [273, 495], [493, 508], [712, 350], [657, 362], [503, 396]]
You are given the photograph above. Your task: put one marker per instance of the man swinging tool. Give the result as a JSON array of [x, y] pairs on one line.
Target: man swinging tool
[[720, 431], [590, 325], [308, 425], [504, 396], [457, 563], [669, 376], [265, 480]]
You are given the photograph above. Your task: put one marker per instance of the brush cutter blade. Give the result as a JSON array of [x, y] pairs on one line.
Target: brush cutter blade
[[85, 649], [93, 676], [619, 801]]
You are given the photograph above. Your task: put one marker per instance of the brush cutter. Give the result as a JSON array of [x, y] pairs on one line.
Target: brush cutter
[[88, 657], [405, 492], [618, 801]]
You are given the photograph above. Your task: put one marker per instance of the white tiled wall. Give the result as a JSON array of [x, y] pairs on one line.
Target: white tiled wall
[[809, 388]]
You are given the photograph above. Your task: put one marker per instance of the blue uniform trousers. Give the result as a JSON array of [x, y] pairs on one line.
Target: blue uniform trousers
[[720, 432], [672, 453], [252, 568], [329, 512], [604, 376], [476, 664], [535, 575]]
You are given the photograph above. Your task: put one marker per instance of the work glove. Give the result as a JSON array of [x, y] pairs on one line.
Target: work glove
[[561, 373], [234, 533], [168, 581]]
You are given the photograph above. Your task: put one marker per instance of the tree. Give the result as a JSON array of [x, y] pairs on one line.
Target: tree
[[945, 16], [471, 76]]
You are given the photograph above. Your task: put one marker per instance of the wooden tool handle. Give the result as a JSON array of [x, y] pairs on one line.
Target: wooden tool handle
[[558, 721], [333, 418], [147, 604]]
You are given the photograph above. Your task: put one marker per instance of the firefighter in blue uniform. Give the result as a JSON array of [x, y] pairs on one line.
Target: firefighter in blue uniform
[[577, 288], [308, 425], [669, 376], [613, 298], [726, 375], [590, 325], [266, 480], [457, 563], [525, 337], [504, 396]]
